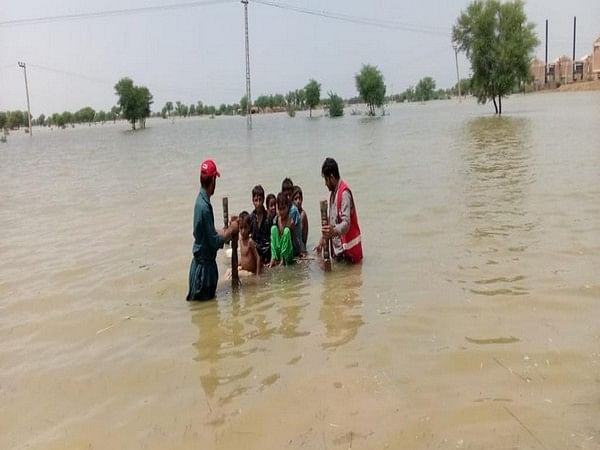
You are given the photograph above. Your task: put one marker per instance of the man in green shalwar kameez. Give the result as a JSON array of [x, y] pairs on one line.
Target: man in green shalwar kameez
[[204, 274]]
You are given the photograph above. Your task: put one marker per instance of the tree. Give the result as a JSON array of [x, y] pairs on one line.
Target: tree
[[168, 108], [336, 105], [425, 89], [199, 108], [192, 110], [134, 101], [85, 115], [41, 120], [371, 87], [244, 105], [312, 93], [3, 120], [499, 42]]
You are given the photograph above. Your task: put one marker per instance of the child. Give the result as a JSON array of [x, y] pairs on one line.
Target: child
[[249, 259], [282, 250], [272, 209], [297, 198], [287, 187], [261, 226]]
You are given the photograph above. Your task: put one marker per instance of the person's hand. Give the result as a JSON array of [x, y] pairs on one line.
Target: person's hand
[[319, 247], [327, 231], [234, 226]]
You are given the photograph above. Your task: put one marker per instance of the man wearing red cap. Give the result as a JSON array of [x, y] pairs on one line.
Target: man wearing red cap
[[204, 274]]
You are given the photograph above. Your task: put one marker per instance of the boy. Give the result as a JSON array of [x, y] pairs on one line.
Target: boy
[[260, 229], [297, 198], [249, 259], [282, 251], [287, 187]]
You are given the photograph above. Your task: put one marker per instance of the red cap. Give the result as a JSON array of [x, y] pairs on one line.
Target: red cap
[[209, 168]]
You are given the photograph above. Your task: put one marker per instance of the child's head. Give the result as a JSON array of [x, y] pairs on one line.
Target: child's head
[[271, 204], [283, 205], [287, 186], [258, 197], [245, 224], [297, 197]]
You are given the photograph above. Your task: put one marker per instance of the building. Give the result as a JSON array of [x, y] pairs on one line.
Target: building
[[561, 70], [536, 70], [583, 69], [596, 60]]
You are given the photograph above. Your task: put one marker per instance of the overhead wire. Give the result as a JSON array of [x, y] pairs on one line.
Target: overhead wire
[[111, 13], [386, 24]]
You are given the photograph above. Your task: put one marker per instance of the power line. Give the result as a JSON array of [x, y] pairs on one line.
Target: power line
[[387, 24], [110, 13]]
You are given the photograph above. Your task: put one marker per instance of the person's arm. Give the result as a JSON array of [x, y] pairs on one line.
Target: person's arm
[[341, 228], [255, 256], [304, 227]]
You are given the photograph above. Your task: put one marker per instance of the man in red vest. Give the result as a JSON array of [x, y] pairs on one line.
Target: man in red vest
[[343, 231]]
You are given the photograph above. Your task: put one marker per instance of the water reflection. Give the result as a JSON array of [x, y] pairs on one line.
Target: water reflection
[[341, 306], [497, 167], [235, 333]]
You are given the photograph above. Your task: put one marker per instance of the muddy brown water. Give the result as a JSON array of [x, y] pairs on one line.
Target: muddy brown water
[[472, 323]]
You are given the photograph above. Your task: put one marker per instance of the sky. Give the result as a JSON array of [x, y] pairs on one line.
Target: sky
[[197, 53]]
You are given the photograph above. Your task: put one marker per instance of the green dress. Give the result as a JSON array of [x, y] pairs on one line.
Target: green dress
[[281, 246]]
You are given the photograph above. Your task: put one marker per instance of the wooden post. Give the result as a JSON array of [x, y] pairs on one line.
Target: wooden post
[[235, 278], [325, 221]]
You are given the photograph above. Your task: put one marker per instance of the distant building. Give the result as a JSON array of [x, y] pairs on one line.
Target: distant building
[[596, 60], [583, 68], [536, 70], [561, 70]]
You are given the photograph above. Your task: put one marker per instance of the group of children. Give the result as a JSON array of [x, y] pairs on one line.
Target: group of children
[[274, 235]]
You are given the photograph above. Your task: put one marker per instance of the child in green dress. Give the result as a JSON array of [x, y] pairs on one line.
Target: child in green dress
[[282, 250]]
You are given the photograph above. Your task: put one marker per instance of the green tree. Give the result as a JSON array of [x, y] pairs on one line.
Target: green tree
[[85, 115], [499, 42], [192, 110], [312, 92], [199, 108], [41, 120], [425, 89], [244, 105], [168, 108], [262, 102], [371, 87], [134, 101], [3, 120], [336, 105], [100, 116]]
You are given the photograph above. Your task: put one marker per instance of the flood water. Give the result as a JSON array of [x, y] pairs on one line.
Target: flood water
[[472, 323]]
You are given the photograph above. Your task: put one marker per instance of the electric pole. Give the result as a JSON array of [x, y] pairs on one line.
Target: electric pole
[[457, 76], [24, 66], [248, 96]]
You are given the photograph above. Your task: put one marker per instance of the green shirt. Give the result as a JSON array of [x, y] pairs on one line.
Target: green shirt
[[206, 239]]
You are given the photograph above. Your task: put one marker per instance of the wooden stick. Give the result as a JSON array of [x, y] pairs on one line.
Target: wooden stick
[[325, 221], [225, 212]]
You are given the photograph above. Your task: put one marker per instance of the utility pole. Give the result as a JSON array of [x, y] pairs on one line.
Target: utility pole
[[248, 96], [457, 76], [24, 66], [546, 61], [574, 34]]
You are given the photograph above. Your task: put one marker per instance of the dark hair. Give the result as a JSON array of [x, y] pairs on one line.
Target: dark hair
[[244, 217], [329, 168], [297, 190], [287, 184], [258, 190], [205, 180], [282, 201], [269, 197]]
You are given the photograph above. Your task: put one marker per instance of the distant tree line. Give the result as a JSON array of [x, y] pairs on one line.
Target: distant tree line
[[12, 120], [179, 109]]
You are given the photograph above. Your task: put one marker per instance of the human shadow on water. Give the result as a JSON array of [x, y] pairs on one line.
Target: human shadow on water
[[341, 305]]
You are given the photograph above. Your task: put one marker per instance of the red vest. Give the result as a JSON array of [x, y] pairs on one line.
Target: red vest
[[351, 241]]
